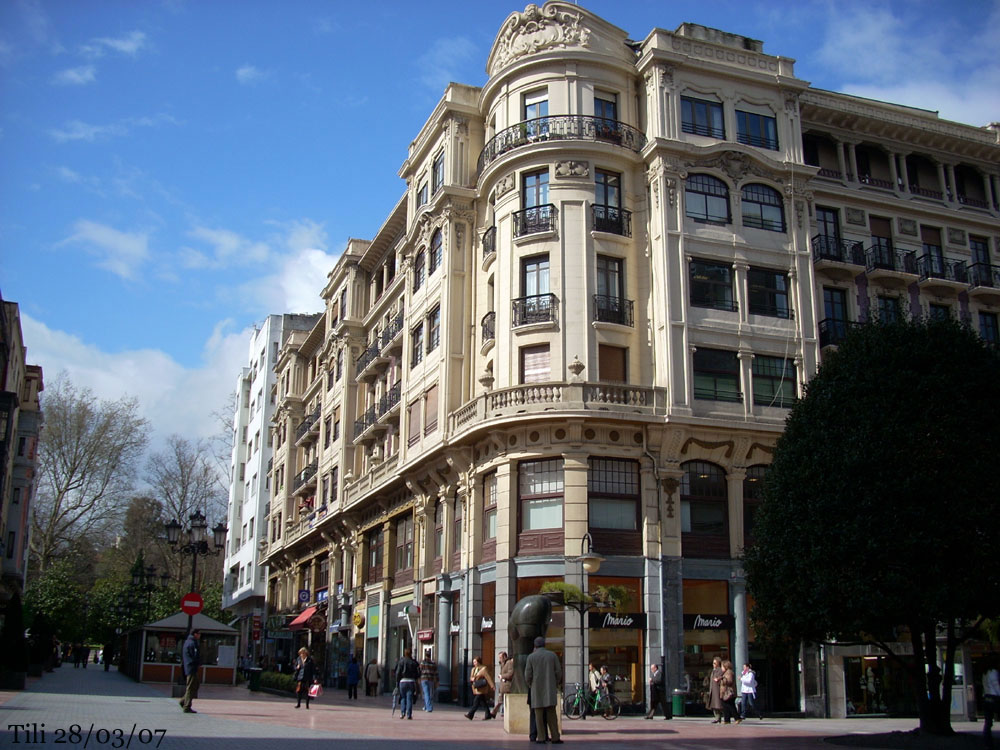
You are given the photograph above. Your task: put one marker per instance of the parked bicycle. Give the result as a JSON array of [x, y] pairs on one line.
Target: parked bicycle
[[579, 703]]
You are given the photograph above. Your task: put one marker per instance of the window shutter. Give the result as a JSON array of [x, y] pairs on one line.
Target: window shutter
[[611, 363], [880, 227], [535, 364], [413, 422], [431, 410]]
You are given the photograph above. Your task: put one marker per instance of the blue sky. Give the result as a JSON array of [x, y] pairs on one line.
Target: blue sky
[[172, 171]]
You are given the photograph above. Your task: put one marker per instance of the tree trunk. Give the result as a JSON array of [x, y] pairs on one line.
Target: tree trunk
[[935, 713]]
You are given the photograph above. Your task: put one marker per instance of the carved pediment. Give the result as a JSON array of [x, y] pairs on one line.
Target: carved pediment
[[538, 29]]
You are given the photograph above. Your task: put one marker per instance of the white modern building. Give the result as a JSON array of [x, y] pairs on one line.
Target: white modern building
[[249, 491]]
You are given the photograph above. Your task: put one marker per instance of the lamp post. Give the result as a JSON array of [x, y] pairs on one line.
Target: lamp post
[[192, 541], [590, 562], [144, 582]]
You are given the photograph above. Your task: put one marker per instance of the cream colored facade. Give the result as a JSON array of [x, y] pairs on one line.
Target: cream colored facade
[[587, 315]]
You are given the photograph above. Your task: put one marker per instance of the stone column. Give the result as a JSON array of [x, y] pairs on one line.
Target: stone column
[[841, 163], [576, 524], [893, 172], [746, 383], [443, 645], [905, 174], [942, 182], [741, 631], [852, 161], [740, 269], [952, 193]]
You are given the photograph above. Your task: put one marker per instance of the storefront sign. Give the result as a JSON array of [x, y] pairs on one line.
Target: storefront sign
[[321, 595], [425, 636], [616, 621], [317, 623], [486, 625], [708, 622], [303, 596], [359, 620], [373, 616]]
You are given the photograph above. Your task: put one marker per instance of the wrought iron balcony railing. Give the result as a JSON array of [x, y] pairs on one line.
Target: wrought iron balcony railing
[[613, 310], [867, 179], [612, 219], [535, 219], [538, 308], [760, 141], [367, 420], [826, 247], [934, 266], [489, 241], [883, 256], [965, 200], [489, 323], [366, 358], [306, 423], [561, 127], [391, 331], [305, 475], [832, 331], [390, 398], [984, 274], [927, 192]]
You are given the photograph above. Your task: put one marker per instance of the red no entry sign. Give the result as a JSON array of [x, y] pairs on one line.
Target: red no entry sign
[[192, 603]]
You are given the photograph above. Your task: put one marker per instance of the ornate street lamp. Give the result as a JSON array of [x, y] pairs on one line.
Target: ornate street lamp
[[192, 541]]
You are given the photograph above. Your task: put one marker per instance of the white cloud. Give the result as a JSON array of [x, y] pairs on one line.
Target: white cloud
[[227, 248], [900, 57], [76, 130], [174, 398], [294, 286], [122, 253], [75, 76], [305, 233], [68, 175], [445, 61], [130, 44], [249, 75]]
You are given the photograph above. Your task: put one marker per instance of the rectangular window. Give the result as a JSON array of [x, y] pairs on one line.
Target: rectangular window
[[712, 285], [988, 328], [607, 188], [327, 432], [343, 303], [456, 532], [716, 375], [939, 312], [933, 252], [417, 345], [375, 551], [439, 530], [613, 493], [535, 189], [422, 194], [980, 248], [702, 117], [431, 410], [436, 254], [437, 173], [434, 329], [535, 276], [535, 364], [413, 423], [540, 494], [336, 423], [610, 277], [889, 309], [536, 111], [404, 543], [756, 130], [419, 270], [334, 483], [768, 293], [490, 506], [612, 363], [773, 381]]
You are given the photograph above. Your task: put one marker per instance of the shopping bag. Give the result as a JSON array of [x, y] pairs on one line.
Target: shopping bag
[[315, 690]]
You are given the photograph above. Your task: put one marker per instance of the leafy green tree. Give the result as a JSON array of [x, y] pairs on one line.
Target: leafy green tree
[[58, 596], [879, 523]]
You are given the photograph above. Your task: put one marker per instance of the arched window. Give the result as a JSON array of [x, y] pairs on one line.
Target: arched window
[[434, 260], [753, 496], [704, 510], [706, 199], [763, 208]]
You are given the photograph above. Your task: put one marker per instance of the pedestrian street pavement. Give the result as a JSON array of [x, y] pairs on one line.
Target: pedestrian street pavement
[[92, 708]]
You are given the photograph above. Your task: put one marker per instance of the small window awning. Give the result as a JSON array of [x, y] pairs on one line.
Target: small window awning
[[300, 622]]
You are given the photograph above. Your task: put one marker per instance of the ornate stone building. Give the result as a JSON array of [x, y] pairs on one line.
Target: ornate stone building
[[614, 267]]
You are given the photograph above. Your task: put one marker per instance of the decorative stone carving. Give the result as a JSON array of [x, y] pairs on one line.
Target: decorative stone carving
[[505, 185], [576, 367], [800, 209], [792, 104], [907, 226], [855, 216], [538, 29], [956, 236], [572, 169]]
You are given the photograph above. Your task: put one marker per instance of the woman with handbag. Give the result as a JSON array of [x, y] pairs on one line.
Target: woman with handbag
[[482, 686], [305, 671], [727, 692]]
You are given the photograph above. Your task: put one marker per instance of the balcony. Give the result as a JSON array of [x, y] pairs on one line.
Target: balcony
[[391, 332], [827, 248], [882, 260], [965, 200], [833, 174], [538, 308], [367, 357], [306, 424], [489, 242], [534, 220], [489, 324], [366, 421], [935, 269], [984, 280], [304, 477], [561, 127], [867, 179], [613, 310], [612, 220], [390, 399], [832, 331], [927, 193]]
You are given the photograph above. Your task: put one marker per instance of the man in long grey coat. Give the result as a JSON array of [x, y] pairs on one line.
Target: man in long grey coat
[[543, 673]]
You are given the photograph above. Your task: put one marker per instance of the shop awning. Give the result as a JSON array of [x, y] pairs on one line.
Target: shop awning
[[300, 622]]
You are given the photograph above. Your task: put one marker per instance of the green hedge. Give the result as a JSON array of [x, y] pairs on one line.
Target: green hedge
[[278, 681]]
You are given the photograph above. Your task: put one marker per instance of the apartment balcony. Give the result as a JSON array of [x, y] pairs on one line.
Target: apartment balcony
[[389, 403], [535, 220], [883, 260], [926, 193], [561, 128], [867, 179], [489, 242], [305, 478], [392, 339], [984, 280], [538, 308], [613, 310], [556, 399], [832, 331], [966, 200], [366, 359], [837, 255], [612, 220], [935, 269], [365, 423], [833, 174], [488, 324], [308, 426]]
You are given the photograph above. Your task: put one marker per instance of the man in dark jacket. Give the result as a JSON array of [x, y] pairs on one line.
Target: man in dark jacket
[[191, 658], [657, 693], [407, 673], [543, 673]]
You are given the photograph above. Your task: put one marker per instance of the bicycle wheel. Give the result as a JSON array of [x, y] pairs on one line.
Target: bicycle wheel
[[573, 706], [610, 707]]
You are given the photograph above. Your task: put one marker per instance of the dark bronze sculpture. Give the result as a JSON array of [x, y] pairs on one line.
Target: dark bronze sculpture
[[529, 619]]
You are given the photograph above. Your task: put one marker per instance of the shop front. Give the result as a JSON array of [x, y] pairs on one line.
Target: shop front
[[616, 642], [708, 627]]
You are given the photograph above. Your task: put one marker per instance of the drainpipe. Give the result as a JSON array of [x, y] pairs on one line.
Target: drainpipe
[[669, 680]]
